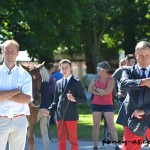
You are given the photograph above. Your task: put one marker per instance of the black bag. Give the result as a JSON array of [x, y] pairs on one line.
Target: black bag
[[137, 126]]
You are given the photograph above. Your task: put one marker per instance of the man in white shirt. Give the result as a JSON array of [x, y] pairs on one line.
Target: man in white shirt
[[15, 95]]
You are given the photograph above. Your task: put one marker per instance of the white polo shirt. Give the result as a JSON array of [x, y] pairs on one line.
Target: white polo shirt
[[9, 80]]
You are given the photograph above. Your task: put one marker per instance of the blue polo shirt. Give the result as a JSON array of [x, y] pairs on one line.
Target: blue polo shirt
[[57, 75]]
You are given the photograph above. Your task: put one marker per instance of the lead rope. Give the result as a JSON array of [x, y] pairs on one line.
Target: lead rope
[[62, 121]]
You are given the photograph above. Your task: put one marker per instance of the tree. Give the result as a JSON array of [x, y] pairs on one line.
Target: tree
[[97, 28], [96, 21]]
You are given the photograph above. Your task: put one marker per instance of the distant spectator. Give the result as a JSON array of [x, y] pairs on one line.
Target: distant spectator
[[47, 97], [102, 102], [122, 62], [57, 74], [118, 94], [52, 82]]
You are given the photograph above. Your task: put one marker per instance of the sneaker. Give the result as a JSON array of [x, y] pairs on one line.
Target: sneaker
[[95, 148], [117, 148]]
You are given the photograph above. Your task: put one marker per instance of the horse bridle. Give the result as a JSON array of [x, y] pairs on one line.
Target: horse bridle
[[36, 97], [36, 89]]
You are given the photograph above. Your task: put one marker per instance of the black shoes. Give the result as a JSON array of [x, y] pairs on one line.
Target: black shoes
[[95, 148], [117, 148]]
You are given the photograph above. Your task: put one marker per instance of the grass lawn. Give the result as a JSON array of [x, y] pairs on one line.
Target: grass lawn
[[84, 125]]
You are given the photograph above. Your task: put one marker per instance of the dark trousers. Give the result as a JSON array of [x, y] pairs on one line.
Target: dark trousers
[[69, 127]]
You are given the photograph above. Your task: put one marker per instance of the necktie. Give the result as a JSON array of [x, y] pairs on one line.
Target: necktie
[[142, 89], [65, 84], [143, 73]]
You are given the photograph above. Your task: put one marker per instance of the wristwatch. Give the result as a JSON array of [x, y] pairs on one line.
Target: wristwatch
[[95, 88]]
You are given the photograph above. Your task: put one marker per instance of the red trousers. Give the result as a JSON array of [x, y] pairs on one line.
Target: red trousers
[[69, 127], [132, 141]]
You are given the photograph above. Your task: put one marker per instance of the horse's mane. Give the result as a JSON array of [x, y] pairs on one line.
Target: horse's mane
[[44, 73]]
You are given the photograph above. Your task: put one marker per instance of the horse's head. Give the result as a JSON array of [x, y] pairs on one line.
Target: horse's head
[[35, 73]]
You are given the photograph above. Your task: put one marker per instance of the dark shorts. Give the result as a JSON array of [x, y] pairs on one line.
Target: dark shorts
[[102, 108]]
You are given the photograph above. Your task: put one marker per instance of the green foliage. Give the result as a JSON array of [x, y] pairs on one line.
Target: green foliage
[[92, 27]]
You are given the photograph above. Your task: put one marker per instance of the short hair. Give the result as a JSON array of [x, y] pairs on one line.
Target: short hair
[[49, 66], [122, 62], [56, 67], [142, 45], [65, 61], [9, 42], [129, 57]]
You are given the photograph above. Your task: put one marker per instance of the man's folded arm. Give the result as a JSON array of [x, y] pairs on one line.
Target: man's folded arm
[[127, 82], [7, 94], [21, 98]]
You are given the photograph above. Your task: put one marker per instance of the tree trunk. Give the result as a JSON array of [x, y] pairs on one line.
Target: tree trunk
[[129, 27], [92, 50]]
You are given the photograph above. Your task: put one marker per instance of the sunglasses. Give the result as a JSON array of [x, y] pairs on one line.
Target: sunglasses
[[98, 69]]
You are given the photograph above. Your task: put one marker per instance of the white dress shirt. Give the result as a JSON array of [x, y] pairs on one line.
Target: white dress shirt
[[67, 80], [9, 80]]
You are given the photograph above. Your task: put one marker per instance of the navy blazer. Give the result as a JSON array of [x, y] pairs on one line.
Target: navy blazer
[[61, 101], [130, 82]]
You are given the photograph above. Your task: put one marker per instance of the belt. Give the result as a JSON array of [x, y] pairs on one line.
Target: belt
[[12, 116]]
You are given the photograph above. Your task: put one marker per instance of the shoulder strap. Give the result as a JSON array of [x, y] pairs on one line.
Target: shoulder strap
[[96, 78]]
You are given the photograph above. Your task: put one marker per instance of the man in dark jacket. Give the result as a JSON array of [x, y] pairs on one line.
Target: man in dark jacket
[[136, 81], [118, 94], [68, 94]]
